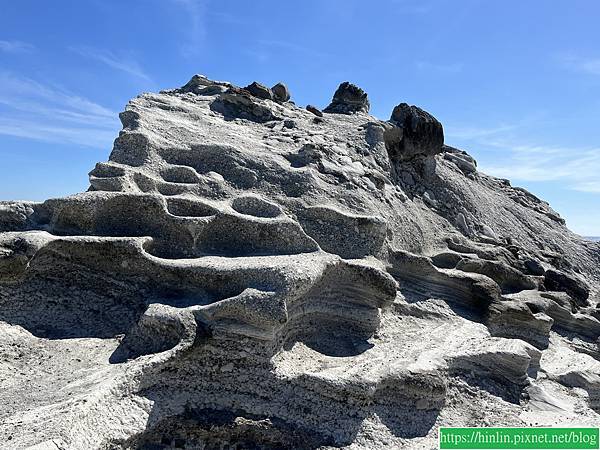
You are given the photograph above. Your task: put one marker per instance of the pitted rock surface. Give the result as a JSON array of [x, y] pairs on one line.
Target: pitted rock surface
[[242, 272]]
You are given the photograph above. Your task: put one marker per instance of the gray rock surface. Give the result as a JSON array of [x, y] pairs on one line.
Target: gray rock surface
[[232, 280]]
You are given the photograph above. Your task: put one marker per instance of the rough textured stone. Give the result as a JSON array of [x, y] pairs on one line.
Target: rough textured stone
[[289, 123], [463, 161], [313, 109], [280, 92], [260, 91], [237, 103], [348, 99], [533, 267], [241, 276], [555, 280], [200, 85], [415, 133]]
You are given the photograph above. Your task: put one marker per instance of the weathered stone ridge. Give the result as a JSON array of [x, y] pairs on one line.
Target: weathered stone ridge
[[248, 273]]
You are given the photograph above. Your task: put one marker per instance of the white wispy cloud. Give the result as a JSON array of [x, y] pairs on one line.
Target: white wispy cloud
[[195, 11], [588, 186], [35, 110], [15, 46], [471, 133], [96, 138], [575, 168], [589, 65], [124, 64]]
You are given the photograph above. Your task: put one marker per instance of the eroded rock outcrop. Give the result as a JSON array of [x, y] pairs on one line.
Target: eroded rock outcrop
[[260, 91], [348, 99], [281, 92], [245, 272], [414, 133]]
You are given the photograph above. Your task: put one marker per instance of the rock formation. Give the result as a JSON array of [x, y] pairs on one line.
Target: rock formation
[[415, 133], [280, 92], [348, 99], [260, 91], [245, 272]]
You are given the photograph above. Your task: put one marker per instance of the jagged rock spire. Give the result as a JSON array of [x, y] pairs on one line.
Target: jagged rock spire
[[348, 99]]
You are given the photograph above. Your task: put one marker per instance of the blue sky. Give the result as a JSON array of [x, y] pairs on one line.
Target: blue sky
[[515, 83]]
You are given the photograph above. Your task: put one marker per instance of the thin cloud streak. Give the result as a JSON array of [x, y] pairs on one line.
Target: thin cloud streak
[[88, 137], [471, 133], [22, 88], [590, 186], [15, 47], [126, 65], [576, 168], [195, 11], [33, 110], [501, 133], [590, 66]]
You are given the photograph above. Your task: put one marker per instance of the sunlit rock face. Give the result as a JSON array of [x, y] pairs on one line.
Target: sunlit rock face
[[245, 272]]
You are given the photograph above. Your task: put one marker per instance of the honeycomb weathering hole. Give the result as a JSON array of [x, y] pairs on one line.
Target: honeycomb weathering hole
[[180, 174], [107, 171], [331, 335], [255, 206], [184, 207]]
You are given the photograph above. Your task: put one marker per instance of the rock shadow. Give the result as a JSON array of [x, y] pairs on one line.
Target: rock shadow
[[311, 421]]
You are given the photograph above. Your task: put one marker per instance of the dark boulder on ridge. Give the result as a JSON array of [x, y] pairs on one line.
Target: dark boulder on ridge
[[415, 132], [348, 99], [281, 93], [260, 91], [313, 109]]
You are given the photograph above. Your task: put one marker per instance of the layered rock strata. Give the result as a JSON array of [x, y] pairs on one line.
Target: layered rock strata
[[245, 272]]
